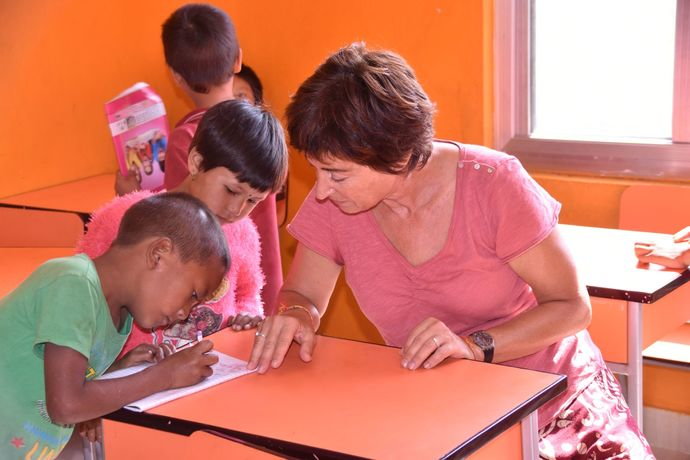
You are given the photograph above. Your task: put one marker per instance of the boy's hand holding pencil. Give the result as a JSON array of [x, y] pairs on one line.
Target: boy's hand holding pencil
[[190, 364]]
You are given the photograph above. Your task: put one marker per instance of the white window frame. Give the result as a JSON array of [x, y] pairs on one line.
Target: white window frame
[[653, 160]]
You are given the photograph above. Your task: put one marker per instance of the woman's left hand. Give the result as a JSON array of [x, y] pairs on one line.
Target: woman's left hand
[[243, 322], [430, 343]]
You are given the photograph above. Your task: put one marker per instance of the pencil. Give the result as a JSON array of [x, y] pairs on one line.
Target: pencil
[[199, 338]]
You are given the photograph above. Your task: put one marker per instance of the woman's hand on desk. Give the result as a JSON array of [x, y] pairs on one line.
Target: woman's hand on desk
[[189, 366], [274, 336], [430, 343]]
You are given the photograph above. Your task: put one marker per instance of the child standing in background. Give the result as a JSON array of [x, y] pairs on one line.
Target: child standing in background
[[247, 86], [66, 323], [203, 55]]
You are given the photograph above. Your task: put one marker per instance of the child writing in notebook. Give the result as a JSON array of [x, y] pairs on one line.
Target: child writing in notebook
[[203, 55], [238, 156], [66, 323]]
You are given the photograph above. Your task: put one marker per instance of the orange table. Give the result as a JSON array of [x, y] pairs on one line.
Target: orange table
[[82, 196], [353, 399], [646, 300], [18, 263]]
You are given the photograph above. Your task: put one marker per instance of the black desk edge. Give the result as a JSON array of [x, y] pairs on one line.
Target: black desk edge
[[509, 419], [636, 296], [284, 449]]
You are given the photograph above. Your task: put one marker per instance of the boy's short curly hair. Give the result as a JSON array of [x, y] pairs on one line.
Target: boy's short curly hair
[[200, 44], [192, 228], [366, 107]]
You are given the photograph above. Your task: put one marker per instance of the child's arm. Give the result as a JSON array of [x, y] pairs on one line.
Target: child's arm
[[72, 399], [143, 353], [243, 238]]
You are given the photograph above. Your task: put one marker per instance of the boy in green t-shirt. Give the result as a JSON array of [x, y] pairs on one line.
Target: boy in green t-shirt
[[66, 323]]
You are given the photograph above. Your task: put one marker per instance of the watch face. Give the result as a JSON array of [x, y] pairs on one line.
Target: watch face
[[483, 339]]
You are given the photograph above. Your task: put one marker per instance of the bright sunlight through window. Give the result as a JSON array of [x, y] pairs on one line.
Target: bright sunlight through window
[[602, 70]]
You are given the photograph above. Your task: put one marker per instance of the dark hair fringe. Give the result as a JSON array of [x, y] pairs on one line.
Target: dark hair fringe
[[247, 140]]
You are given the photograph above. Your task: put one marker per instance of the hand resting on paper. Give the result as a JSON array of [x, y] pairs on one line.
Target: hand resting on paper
[[675, 254], [143, 353]]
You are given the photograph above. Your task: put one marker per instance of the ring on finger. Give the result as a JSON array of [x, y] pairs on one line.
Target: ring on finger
[[436, 341], [260, 334]]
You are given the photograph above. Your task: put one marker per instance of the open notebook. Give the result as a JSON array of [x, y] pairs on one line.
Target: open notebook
[[227, 368]]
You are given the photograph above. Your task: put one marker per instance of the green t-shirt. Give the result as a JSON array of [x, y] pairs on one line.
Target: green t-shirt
[[62, 302]]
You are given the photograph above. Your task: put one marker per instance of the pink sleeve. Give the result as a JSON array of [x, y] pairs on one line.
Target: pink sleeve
[[520, 212], [312, 226], [176, 157], [266, 221], [102, 228], [245, 253]]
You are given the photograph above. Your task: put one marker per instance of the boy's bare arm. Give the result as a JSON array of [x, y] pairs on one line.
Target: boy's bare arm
[[72, 399]]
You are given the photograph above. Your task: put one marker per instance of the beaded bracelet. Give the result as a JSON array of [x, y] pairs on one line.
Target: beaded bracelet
[[283, 308]]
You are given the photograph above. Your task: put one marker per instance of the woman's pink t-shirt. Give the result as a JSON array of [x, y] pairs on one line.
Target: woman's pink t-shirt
[[499, 213]]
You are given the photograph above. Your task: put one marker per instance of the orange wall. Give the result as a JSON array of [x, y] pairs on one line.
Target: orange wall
[[65, 58]]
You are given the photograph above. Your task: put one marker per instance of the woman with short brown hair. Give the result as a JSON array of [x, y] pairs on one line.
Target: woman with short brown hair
[[452, 251]]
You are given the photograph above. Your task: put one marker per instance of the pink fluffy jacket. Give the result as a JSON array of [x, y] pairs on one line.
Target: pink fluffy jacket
[[239, 293]]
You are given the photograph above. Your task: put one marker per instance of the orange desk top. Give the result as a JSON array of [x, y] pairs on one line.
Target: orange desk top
[[606, 261], [355, 398], [18, 263], [82, 196]]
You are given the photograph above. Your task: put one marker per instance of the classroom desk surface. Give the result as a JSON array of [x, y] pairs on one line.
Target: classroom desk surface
[[355, 398], [18, 263], [82, 196], [648, 300], [605, 258]]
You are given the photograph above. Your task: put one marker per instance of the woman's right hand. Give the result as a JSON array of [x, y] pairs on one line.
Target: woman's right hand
[[189, 366], [275, 335]]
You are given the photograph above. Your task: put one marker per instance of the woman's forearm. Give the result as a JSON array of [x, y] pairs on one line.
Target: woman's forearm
[[290, 298], [540, 327]]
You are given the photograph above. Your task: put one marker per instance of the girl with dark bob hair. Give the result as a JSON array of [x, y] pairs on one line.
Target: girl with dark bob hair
[[451, 250], [237, 157]]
